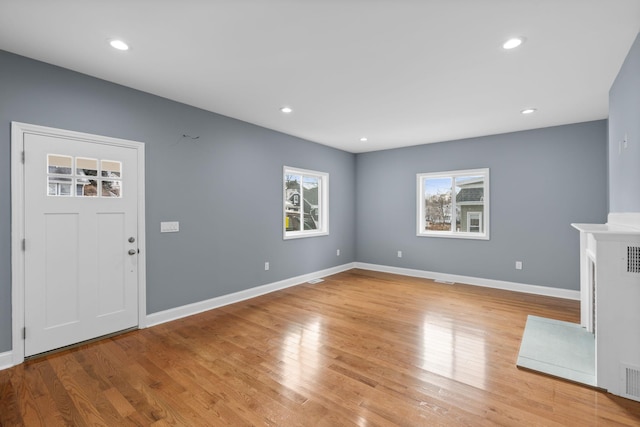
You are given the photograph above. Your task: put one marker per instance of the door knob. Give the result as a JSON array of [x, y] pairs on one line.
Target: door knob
[[132, 251]]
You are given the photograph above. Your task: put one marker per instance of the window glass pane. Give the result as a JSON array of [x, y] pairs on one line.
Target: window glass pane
[[111, 188], [470, 203], [58, 186], [305, 203], [59, 164], [86, 167], [310, 186], [437, 199], [453, 204], [86, 187], [292, 202], [111, 169]]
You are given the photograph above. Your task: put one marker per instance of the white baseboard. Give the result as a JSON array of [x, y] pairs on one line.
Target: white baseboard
[[6, 360], [488, 283], [201, 306]]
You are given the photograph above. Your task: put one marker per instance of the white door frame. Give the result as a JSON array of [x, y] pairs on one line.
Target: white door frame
[[18, 130]]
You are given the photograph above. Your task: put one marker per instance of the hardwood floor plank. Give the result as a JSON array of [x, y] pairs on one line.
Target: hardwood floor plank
[[360, 349], [66, 410], [11, 413]]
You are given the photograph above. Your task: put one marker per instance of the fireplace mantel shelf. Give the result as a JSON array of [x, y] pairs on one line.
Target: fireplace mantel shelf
[[616, 229]]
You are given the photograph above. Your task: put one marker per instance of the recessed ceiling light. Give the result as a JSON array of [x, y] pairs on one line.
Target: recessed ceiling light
[[119, 44], [363, 139], [513, 43], [528, 111], [286, 110]]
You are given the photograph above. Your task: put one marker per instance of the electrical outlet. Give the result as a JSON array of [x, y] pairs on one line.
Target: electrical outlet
[[337, 252], [518, 265], [266, 266], [399, 254]]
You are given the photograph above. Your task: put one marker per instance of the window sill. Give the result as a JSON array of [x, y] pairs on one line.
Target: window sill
[[302, 235], [456, 235]]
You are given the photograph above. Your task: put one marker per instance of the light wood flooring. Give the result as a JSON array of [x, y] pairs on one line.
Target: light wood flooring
[[359, 349]]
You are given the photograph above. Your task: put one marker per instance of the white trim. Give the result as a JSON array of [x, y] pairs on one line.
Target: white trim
[[6, 360], [323, 204], [420, 204], [142, 239], [18, 130], [202, 306], [17, 234], [475, 281]]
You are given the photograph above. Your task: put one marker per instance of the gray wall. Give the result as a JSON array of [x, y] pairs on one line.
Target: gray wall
[[541, 181], [225, 188], [624, 118]]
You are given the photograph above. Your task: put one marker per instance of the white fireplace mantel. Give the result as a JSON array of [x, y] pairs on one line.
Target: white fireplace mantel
[[610, 297], [618, 227]]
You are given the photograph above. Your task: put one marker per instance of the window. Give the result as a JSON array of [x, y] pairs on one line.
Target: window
[[61, 177], [306, 203], [454, 204]]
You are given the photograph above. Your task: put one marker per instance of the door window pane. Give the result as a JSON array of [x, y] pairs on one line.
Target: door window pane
[[60, 165], [86, 167], [86, 187], [111, 189], [59, 186], [111, 169]]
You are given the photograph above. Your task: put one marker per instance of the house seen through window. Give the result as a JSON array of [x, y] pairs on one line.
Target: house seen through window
[[305, 203], [454, 204]]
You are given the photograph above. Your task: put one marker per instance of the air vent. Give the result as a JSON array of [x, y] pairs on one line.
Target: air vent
[[631, 379], [633, 259]]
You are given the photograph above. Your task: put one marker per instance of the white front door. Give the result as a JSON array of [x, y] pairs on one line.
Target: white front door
[[80, 240]]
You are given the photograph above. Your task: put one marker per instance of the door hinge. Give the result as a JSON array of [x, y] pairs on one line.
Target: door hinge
[[24, 245], [23, 157], [24, 333]]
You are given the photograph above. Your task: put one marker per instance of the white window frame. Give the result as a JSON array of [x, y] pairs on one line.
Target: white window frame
[[420, 202], [323, 203]]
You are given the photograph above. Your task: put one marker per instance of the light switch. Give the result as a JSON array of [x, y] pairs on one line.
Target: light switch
[[169, 227]]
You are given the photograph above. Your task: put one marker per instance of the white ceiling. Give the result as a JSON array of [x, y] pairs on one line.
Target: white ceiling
[[400, 72]]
